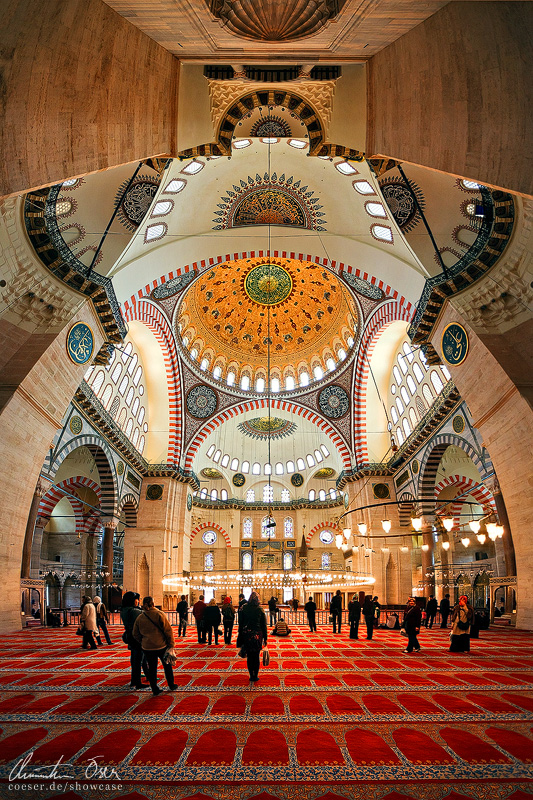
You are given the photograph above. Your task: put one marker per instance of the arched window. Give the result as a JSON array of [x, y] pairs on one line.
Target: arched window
[[268, 493], [420, 407], [426, 391], [115, 405], [326, 561], [310, 460], [135, 436], [268, 532], [333, 494], [245, 382], [304, 378], [275, 385], [129, 427], [211, 450], [230, 378], [287, 561], [260, 385], [246, 561], [209, 562], [127, 350], [224, 494], [403, 364], [318, 373], [394, 415], [312, 494], [417, 372], [330, 364], [318, 456], [115, 375], [408, 352], [397, 376], [106, 397], [225, 460], [216, 457], [411, 384], [412, 417], [245, 467], [382, 232], [445, 372], [123, 384], [300, 463], [141, 444], [399, 435], [406, 428], [288, 527], [256, 468], [122, 418], [247, 528], [285, 496], [324, 450], [137, 376], [204, 363], [250, 496], [289, 382], [290, 466], [436, 381], [234, 464], [322, 495], [405, 396], [217, 372], [135, 407], [129, 396], [399, 406], [267, 469], [133, 362], [141, 416], [203, 494], [214, 494], [98, 381], [279, 468]]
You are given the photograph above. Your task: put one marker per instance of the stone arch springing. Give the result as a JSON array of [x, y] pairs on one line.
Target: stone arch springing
[[212, 526], [430, 464]]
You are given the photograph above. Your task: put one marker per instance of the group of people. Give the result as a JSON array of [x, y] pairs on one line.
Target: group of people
[[93, 619], [463, 628]]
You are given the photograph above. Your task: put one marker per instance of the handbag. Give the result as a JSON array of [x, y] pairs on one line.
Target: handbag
[[463, 626], [242, 652], [266, 657], [403, 632], [170, 656], [80, 629], [331, 617]]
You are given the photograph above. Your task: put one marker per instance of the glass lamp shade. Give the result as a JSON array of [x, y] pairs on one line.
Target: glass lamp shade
[[404, 548], [481, 538], [448, 523], [425, 547], [347, 532], [465, 541], [362, 528], [474, 525], [445, 545], [417, 523], [386, 524], [499, 531], [338, 540]]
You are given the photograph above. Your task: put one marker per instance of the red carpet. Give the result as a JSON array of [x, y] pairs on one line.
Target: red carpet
[[330, 719]]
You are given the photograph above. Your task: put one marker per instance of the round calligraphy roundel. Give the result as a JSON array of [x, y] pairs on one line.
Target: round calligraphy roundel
[[333, 402], [454, 344], [201, 401], [80, 343]]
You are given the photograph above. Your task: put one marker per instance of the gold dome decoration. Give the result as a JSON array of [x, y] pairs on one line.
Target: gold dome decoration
[[274, 20]]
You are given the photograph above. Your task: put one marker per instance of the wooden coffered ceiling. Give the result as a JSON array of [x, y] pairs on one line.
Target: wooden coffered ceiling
[[188, 29]]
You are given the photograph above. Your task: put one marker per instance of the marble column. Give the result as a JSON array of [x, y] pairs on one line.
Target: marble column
[[40, 490]]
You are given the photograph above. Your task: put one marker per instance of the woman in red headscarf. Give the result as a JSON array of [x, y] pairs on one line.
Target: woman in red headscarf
[[462, 619]]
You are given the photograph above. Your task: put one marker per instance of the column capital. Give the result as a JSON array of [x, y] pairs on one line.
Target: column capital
[[109, 522]]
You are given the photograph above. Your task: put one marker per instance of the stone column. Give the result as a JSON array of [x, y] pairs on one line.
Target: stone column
[[40, 491], [508, 546], [110, 526]]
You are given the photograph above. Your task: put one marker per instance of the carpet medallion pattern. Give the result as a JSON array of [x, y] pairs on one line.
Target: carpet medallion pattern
[[330, 719]]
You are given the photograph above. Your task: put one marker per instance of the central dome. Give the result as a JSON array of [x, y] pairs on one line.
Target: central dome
[[230, 314]]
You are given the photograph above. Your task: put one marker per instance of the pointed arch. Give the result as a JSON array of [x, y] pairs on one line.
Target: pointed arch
[[129, 505], [430, 464], [320, 527]]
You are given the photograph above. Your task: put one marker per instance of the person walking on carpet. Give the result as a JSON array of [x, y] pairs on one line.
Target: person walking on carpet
[[310, 610], [411, 623], [444, 609], [211, 620], [431, 611], [462, 619], [252, 633], [153, 632], [128, 614], [228, 619], [102, 617], [198, 611], [354, 616], [89, 625], [368, 614], [335, 608], [183, 609]]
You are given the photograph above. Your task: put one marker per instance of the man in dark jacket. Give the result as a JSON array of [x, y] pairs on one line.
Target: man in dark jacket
[[198, 611], [354, 616], [183, 609], [411, 622], [273, 608], [431, 611], [336, 611], [444, 609], [310, 610], [252, 633]]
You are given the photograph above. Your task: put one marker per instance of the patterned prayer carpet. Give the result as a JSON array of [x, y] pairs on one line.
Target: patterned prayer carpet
[[330, 719]]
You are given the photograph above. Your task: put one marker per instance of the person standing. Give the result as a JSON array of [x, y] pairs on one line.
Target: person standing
[[411, 622], [310, 610], [198, 611], [431, 611], [102, 617], [444, 609], [354, 616], [153, 632], [368, 614], [335, 609], [252, 633], [211, 620], [228, 619], [242, 601], [183, 610], [377, 611], [128, 614], [295, 604], [462, 619], [90, 627], [273, 609]]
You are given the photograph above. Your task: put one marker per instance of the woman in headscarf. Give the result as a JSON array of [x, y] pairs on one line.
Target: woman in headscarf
[[462, 619], [252, 633], [128, 614]]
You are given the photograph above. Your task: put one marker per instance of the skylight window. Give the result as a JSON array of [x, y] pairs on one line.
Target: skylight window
[[324, 450], [289, 382], [193, 167], [154, 232], [346, 168], [175, 186], [240, 144], [270, 140], [260, 385], [363, 187], [382, 232], [234, 464], [375, 209], [297, 143], [162, 207]]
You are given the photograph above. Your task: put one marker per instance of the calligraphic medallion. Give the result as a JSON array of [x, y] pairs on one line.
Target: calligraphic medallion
[[75, 425], [238, 479], [268, 284], [454, 344], [80, 343]]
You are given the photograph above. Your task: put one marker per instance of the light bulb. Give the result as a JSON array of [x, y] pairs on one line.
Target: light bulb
[[417, 523], [448, 523], [465, 541], [474, 525], [386, 524], [362, 528], [481, 538], [446, 545]]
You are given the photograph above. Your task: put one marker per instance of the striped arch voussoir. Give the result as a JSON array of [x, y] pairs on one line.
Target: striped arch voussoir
[[320, 527], [52, 498], [212, 526], [130, 506], [282, 405], [430, 465], [480, 493], [405, 509]]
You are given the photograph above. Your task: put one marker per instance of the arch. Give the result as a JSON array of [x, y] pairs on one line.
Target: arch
[[430, 464], [104, 460], [144, 310], [320, 527], [406, 509], [393, 311], [258, 403], [52, 498], [214, 527], [480, 493], [130, 506]]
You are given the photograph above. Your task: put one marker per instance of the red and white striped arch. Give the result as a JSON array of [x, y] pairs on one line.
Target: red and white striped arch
[[58, 492], [212, 526], [281, 405], [200, 266], [330, 526], [465, 486], [144, 310], [394, 311]]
